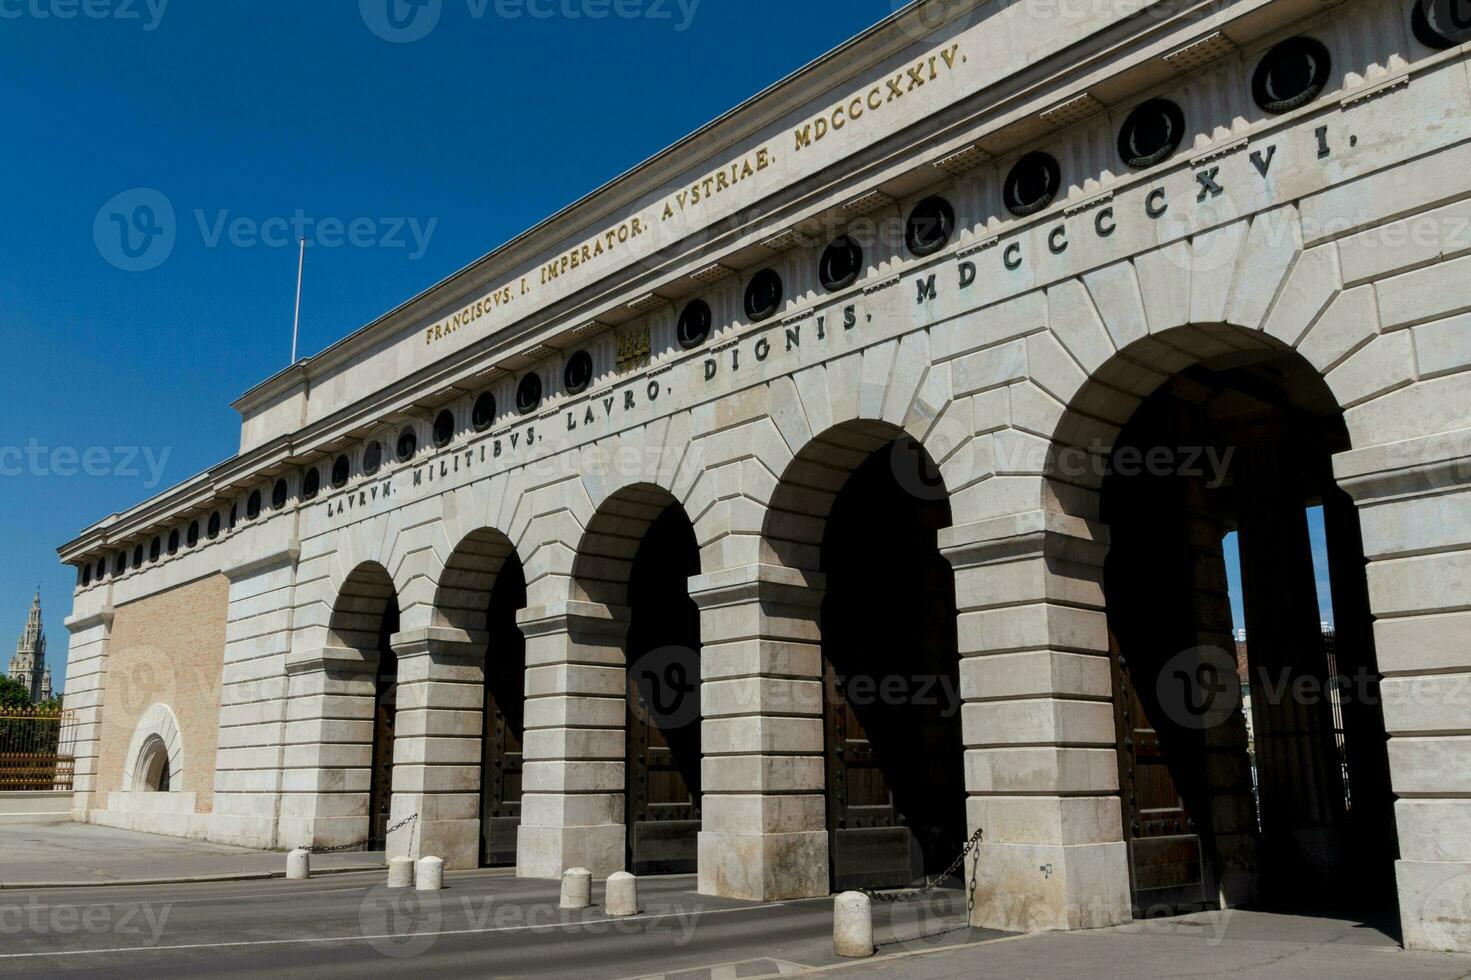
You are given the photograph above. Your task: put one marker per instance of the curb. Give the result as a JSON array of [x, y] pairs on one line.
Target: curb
[[192, 879]]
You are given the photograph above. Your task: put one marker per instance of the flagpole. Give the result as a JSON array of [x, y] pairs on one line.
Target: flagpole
[[296, 323]]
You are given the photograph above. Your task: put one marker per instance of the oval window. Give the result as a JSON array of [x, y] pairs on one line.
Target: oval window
[[372, 458], [578, 374], [841, 264], [173, 542], [118, 563], [121, 564], [312, 484], [408, 444], [1151, 133], [1032, 184], [341, 470], [1291, 75], [86, 575], [252, 506], [483, 415], [279, 493], [528, 394], [694, 325], [138, 556], [213, 530], [763, 295], [193, 538], [155, 549], [930, 226], [1441, 24], [444, 428]]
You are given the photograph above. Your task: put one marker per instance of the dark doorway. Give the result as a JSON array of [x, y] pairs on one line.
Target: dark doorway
[[895, 756], [505, 718], [663, 774], [1253, 770], [385, 707]]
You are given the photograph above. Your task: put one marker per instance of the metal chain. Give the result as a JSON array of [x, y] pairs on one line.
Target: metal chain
[[933, 883], [359, 845]]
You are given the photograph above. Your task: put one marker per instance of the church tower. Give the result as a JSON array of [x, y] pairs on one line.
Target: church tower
[[29, 663]]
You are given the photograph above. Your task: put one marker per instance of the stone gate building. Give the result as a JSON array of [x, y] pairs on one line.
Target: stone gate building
[[855, 475]]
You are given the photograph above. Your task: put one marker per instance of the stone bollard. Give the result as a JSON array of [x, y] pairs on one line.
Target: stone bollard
[[400, 872], [576, 888], [299, 865], [429, 876], [621, 897], [852, 925]]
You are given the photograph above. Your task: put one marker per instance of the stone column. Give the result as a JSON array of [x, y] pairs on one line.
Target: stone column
[[1414, 501], [764, 836], [572, 807], [329, 747], [86, 675], [1041, 763], [436, 747]]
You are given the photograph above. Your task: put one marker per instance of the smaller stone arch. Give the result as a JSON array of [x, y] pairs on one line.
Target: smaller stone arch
[[361, 604], [462, 596], [155, 758], [611, 541]]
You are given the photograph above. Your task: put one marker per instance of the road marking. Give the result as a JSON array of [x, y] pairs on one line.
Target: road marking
[[361, 939]]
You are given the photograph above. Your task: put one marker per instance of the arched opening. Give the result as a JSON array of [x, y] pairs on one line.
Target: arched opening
[[864, 504], [636, 558], [153, 766], [481, 591], [365, 618], [1251, 742]]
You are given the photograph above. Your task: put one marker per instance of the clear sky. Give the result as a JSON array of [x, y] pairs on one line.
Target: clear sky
[[237, 112], [228, 124]]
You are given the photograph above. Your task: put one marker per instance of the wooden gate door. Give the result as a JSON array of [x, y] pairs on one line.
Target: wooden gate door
[[663, 799], [501, 787], [869, 843], [1167, 868]]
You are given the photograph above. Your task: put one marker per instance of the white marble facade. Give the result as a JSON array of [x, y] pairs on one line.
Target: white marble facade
[[1337, 230]]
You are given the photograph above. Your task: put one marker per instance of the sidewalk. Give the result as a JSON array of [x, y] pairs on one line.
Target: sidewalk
[[33, 855]]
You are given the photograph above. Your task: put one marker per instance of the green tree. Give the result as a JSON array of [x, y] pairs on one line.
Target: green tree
[[13, 694]]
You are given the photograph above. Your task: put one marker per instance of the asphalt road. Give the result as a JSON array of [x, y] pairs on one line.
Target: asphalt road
[[485, 924]]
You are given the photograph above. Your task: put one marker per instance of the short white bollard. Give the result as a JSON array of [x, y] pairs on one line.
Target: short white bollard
[[430, 874], [400, 872], [621, 896], [852, 925], [299, 865], [576, 888]]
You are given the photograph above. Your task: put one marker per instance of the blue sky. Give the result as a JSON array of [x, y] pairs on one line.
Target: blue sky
[[246, 120], [240, 112]]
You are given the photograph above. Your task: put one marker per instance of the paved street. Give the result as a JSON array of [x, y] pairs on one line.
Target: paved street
[[491, 924]]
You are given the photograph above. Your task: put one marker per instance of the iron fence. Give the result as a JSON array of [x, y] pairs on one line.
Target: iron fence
[[36, 753]]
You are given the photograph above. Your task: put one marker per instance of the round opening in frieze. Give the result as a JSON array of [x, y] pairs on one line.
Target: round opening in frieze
[[930, 226], [155, 549], [763, 295], [1291, 75], [173, 542], [1151, 133], [278, 495], [212, 530], [341, 470], [192, 538], [312, 485], [1032, 184], [372, 457], [483, 414], [528, 394], [694, 324], [444, 428], [138, 556], [1441, 24], [408, 444], [578, 373], [841, 264]]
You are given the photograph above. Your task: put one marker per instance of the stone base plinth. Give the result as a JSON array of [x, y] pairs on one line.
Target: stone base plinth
[[1048, 887], [764, 867], [1435, 905], [546, 852]]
